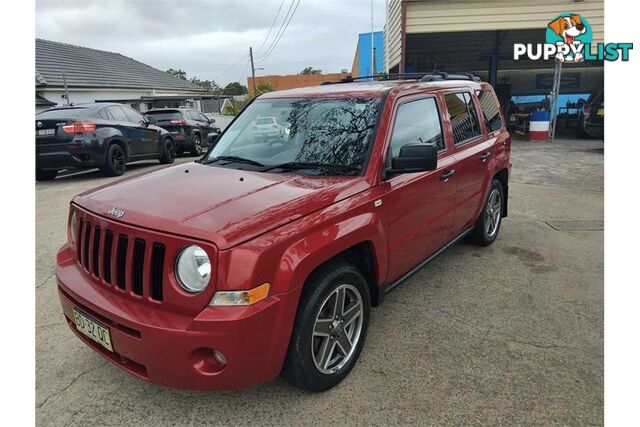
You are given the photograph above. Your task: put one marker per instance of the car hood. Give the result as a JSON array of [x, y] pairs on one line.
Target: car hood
[[220, 205]]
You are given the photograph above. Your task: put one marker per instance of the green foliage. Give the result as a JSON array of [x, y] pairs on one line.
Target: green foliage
[[310, 71], [234, 88], [179, 73], [264, 88]]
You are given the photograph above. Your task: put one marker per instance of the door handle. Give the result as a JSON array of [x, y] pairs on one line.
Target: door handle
[[447, 174], [485, 156]]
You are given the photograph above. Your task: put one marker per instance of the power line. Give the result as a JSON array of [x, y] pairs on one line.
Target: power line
[[271, 29], [281, 26], [230, 68], [277, 40]]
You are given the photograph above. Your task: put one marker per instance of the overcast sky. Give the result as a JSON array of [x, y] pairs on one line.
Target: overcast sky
[[205, 38]]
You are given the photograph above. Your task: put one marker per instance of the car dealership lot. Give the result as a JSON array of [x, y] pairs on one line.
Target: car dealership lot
[[512, 333]]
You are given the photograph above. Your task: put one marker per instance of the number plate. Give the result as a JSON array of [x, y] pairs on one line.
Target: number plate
[[92, 329], [43, 132], [600, 112]]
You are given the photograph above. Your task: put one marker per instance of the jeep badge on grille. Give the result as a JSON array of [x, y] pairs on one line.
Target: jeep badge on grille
[[115, 212]]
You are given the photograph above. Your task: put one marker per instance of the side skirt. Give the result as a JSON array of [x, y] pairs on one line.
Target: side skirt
[[415, 269]]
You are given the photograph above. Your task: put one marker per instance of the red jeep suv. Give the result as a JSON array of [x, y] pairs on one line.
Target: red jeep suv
[[272, 264]]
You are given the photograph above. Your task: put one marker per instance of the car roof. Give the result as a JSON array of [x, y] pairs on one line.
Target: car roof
[[87, 106], [373, 89]]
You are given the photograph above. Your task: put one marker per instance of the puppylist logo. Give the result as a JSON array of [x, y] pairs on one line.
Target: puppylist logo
[[569, 39]]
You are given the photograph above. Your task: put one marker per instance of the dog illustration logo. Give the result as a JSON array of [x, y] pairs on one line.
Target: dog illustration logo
[[569, 29]]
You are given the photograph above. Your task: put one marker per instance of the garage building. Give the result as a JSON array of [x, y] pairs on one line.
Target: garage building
[[478, 36]]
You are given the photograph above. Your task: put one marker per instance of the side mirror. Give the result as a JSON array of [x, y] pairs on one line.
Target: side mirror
[[150, 120], [211, 120], [415, 158]]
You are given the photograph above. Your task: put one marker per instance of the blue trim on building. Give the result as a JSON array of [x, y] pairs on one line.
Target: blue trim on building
[[364, 53]]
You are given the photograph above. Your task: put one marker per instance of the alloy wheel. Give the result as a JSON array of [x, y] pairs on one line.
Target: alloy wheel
[[118, 159], [493, 212], [337, 329]]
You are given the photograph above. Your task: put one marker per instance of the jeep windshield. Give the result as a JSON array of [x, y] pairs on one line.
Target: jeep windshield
[[311, 136]]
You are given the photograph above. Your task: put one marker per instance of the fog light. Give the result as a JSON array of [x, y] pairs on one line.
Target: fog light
[[208, 361]]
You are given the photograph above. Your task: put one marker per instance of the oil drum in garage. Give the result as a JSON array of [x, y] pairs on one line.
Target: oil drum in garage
[[539, 126]]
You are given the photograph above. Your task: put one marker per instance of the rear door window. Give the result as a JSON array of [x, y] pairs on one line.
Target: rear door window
[[132, 115], [104, 114], [463, 117], [117, 113], [416, 122], [490, 110]]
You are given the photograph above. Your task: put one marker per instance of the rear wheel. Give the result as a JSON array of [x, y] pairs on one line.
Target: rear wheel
[[487, 226], [48, 175], [197, 146], [330, 329], [168, 152], [116, 161]]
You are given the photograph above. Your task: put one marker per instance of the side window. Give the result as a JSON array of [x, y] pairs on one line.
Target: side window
[[464, 121], [203, 118], [132, 115], [191, 115], [118, 114], [104, 114], [490, 110], [416, 122]]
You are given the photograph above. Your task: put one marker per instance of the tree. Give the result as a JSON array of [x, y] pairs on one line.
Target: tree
[[234, 88], [264, 88], [310, 71], [181, 74], [209, 85]]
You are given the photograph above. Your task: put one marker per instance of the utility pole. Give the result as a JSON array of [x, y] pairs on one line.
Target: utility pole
[[555, 93], [253, 71], [373, 70], [66, 89]]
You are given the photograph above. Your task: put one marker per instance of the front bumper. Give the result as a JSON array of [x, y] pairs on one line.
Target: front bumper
[[174, 349]]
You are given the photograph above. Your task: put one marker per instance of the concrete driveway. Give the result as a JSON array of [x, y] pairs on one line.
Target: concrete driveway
[[509, 334]]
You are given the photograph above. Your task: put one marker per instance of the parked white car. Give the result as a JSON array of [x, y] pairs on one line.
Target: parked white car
[[269, 127]]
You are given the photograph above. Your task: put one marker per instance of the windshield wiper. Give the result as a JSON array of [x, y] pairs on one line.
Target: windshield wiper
[[235, 159], [311, 165]]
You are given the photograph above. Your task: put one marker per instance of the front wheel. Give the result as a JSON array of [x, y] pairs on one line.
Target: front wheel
[[487, 226], [330, 329]]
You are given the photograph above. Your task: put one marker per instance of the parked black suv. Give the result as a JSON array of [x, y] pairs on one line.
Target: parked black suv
[[102, 135], [190, 128], [593, 115]]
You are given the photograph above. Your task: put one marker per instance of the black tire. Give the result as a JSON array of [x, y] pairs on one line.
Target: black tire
[[48, 175], [488, 224], [116, 162], [168, 152], [196, 150], [301, 365]]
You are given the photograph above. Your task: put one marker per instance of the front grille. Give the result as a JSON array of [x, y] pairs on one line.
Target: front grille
[[136, 265]]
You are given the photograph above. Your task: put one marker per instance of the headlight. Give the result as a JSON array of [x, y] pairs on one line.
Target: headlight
[[193, 269], [73, 227]]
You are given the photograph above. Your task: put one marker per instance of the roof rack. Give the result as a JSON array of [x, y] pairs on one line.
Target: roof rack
[[434, 75]]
